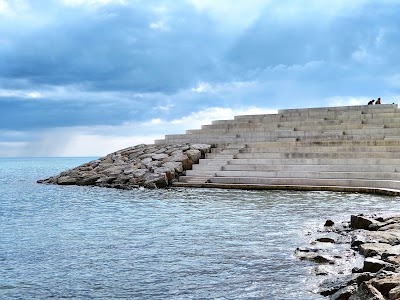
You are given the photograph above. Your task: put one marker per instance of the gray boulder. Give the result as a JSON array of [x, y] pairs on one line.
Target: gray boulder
[[374, 265], [66, 180], [174, 164], [159, 156], [194, 155], [155, 180]]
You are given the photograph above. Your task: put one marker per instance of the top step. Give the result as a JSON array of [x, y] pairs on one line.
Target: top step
[[340, 108]]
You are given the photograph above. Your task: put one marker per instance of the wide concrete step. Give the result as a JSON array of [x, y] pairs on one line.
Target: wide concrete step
[[194, 179], [387, 184], [203, 173], [310, 174], [326, 149], [206, 167], [328, 143], [273, 137], [316, 161], [312, 168], [314, 154], [312, 131], [219, 155], [356, 109], [212, 161]]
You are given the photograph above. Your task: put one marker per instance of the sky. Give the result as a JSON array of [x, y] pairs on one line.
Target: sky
[[89, 77]]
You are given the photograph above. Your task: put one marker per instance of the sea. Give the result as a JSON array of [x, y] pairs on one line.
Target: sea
[[73, 242]]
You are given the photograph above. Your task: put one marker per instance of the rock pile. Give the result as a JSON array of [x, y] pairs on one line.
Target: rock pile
[[372, 243], [150, 166]]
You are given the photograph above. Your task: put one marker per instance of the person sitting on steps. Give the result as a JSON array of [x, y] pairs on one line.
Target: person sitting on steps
[[378, 101], [371, 102]]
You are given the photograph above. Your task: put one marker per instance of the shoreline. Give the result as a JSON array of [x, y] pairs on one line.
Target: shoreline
[[357, 259]]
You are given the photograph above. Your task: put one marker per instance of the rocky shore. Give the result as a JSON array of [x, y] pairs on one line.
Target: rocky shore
[[357, 260], [150, 166]]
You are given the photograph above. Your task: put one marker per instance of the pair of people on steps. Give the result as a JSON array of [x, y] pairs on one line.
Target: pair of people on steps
[[372, 101]]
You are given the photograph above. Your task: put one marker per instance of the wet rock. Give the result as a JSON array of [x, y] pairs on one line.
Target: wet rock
[[374, 249], [378, 240], [390, 227], [154, 180], [329, 223], [317, 258], [388, 237], [373, 265], [322, 270], [361, 222], [366, 291], [325, 240], [394, 294], [331, 286], [385, 284], [344, 293], [357, 240]]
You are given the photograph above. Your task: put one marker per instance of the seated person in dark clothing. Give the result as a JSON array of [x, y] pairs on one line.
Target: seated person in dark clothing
[[371, 102], [378, 101]]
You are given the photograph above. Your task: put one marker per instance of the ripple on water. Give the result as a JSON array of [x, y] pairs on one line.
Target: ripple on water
[[82, 242]]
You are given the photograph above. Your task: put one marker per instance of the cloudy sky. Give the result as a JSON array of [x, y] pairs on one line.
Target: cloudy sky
[[88, 77]]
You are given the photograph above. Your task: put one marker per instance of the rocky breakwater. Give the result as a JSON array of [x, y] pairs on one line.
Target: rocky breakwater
[[150, 166], [357, 260]]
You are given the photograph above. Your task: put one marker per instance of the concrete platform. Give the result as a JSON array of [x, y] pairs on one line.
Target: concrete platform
[[347, 148]]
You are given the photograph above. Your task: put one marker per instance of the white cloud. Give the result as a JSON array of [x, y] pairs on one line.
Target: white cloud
[[348, 100], [165, 108], [20, 94], [101, 140], [12, 8], [206, 116], [238, 14], [363, 56], [98, 145], [92, 2], [343, 101], [4, 7], [202, 87], [159, 25]]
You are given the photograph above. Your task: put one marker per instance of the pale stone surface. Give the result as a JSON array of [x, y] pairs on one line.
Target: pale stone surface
[[194, 155], [374, 249], [66, 180]]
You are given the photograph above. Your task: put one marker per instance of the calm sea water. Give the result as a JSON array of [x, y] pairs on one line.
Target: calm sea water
[[93, 243]]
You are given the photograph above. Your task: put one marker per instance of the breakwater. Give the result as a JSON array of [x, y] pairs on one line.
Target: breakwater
[[150, 166], [346, 148]]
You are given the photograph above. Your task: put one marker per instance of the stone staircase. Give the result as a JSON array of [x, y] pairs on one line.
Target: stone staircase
[[349, 148], [213, 163]]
